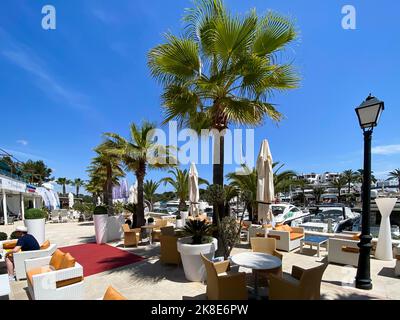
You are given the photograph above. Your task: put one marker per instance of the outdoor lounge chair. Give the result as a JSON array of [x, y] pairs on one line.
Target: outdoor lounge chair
[[46, 250], [223, 284], [112, 294], [302, 285], [156, 232], [169, 249], [343, 251], [55, 216], [131, 236], [287, 238], [58, 277]]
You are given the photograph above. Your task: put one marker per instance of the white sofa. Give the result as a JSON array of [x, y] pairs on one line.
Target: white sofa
[[47, 285], [343, 251], [20, 257], [284, 239]]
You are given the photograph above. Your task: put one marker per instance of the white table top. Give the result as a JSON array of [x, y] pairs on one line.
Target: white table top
[[4, 285], [256, 260]]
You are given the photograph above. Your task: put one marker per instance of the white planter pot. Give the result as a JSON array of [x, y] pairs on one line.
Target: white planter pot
[[179, 223], [36, 227], [114, 228], [100, 227], [191, 259]]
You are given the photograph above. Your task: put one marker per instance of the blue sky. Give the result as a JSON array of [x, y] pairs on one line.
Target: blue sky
[[61, 89]]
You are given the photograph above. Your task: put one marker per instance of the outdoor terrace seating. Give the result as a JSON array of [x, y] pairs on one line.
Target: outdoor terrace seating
[[302, 285], [223, 284], [287, 238], [58, 277]]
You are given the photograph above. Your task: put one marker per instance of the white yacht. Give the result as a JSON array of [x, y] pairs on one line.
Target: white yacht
[[287, 213], [331, 218]]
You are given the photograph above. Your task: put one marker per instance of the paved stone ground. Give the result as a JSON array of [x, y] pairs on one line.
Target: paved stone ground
[[150, 279]]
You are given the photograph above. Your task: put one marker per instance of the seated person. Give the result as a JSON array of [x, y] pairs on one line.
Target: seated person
[[26, 242]]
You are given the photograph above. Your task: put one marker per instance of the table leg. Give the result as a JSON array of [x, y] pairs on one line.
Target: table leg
[[318, 250], [301, 246], [256, 284]]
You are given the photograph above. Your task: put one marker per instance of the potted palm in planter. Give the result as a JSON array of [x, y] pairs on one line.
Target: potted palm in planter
[[35, 220], [197, 240], [100, 217]]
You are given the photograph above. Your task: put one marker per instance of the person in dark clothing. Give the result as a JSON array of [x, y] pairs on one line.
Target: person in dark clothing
[[26, 242]]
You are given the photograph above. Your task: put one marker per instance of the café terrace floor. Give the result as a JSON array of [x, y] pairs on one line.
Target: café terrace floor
[[149, 279]]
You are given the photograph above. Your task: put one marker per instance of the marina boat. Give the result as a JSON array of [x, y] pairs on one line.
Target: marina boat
[[333, 218], [286, 213]]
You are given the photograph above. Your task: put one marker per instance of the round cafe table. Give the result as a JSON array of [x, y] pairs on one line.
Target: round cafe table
[[256, 261]]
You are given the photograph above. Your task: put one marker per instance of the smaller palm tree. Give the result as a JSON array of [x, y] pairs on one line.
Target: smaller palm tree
[[180, 182], [318, 192], [78, 183], [149, 188], [339, 183], [198, 230], [350, 177], [63, 182], [395, 174]]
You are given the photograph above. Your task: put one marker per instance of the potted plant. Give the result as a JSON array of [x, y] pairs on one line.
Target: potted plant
[[100, 218], [35, 220], [197, 240], [150, 221], [179, 221]]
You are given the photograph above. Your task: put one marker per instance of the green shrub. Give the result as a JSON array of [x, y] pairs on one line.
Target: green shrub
[[100, 210], [35, 214], [15, 235], [3, 236]]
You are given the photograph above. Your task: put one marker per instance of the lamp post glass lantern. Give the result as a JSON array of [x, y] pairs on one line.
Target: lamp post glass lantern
[[368, 113]]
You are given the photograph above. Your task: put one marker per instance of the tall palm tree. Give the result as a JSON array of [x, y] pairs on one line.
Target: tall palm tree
[[63, 182], [223, 70], [138, 153], [179, 180], [95, 188], [105, 170], [78, 182], [395, 174], [149, 189], [350, 177], [339, 183]]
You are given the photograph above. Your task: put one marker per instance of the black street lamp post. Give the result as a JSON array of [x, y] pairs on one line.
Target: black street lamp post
[[368, 114]]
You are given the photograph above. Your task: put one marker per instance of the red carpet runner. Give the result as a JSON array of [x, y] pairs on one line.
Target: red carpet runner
[[96, 258]]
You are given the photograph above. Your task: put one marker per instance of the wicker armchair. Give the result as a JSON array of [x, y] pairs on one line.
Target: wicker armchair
[[223, 284], [303, 284], [268, 246], [131, 236]]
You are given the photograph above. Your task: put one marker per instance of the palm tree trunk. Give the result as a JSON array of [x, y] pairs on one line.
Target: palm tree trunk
[[109, 189], [77, 190], [349, 187], [140, 173], [64, 189], [218, 175]]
